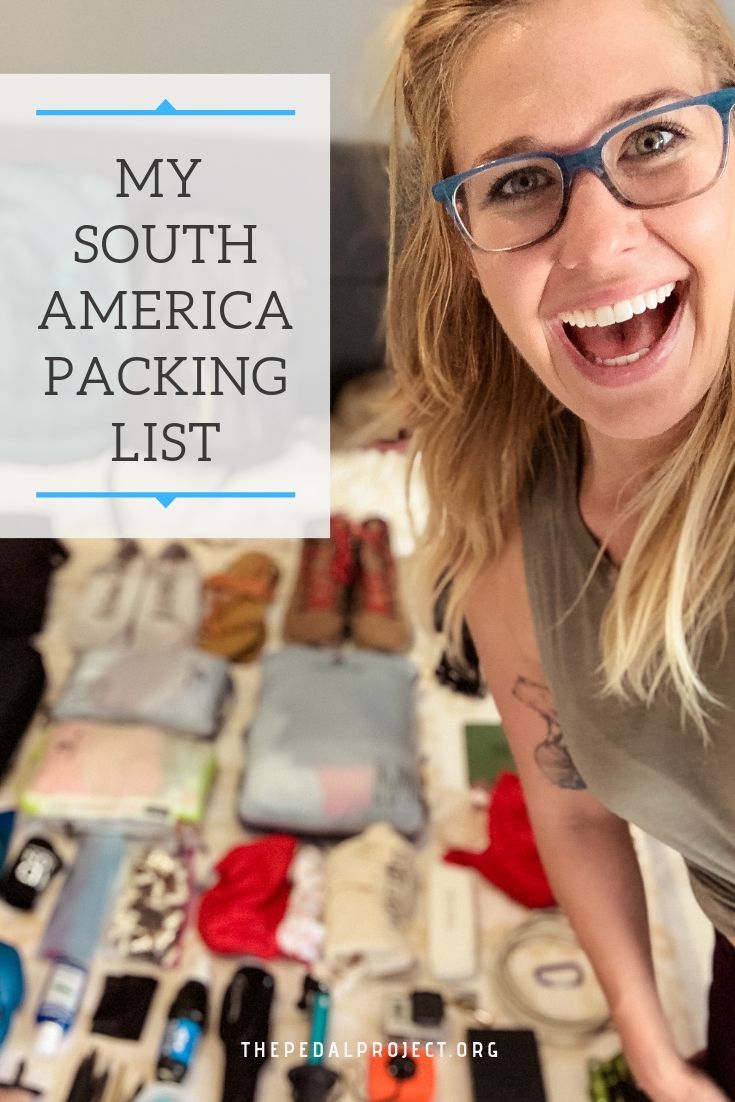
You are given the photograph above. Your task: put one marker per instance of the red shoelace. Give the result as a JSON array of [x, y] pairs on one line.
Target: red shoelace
[[327, 567]]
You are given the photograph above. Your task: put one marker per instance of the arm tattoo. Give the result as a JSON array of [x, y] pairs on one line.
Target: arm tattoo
[[552, 756]]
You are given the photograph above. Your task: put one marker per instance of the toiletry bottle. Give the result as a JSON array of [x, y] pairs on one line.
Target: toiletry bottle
[[187, 1021], [60, 1002]]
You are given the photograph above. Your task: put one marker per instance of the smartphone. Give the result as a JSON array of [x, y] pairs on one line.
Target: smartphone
[[505, 1065]]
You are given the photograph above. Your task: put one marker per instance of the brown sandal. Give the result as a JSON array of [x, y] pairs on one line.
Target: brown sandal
[[235, 602]]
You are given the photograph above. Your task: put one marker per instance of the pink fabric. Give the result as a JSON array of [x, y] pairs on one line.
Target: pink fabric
[[98, 759], [346, 789]]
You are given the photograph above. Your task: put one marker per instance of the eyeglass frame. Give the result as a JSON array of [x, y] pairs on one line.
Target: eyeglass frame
[[589, 159]]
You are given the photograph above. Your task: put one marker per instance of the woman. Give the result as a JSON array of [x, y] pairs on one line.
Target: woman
[[560, 324]]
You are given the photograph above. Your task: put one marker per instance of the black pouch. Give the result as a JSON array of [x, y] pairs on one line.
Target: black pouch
[[22, 680], [123, 1006], [26, 566]]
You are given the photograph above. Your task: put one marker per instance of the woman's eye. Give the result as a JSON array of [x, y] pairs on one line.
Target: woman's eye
[[646, 142], [520, 184]]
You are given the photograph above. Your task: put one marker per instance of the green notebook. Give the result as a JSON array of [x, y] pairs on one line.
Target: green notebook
[[487, 752]]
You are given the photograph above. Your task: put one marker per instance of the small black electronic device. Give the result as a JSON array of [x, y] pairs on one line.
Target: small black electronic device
[[416, 1016], [31, 872], [505, 1065]]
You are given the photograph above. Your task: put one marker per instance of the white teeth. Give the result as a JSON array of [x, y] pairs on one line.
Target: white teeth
[[623, 311], [618, 311], [621, 361]]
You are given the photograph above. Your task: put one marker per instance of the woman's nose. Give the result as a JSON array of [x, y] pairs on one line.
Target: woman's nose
[[597, 229]]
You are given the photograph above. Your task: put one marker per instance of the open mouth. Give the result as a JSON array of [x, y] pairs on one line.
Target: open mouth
[[624, 332]]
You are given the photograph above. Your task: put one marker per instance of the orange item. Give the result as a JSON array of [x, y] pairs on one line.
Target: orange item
[[410, 1078]]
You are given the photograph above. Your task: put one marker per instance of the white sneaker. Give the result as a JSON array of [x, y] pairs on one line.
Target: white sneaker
[[106, 607], [170, 608]]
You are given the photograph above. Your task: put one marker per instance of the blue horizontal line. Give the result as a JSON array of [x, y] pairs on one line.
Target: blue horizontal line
[[165, 497], [164, 114]]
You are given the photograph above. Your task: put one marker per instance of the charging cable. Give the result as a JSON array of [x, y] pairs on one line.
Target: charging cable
[[564, 967]]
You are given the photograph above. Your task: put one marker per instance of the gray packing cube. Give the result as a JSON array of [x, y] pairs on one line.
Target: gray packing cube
[[182, 687], [331, 747]]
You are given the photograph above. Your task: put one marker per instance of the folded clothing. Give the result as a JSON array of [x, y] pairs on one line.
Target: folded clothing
[[243, 910], [331, 748], [371, 892], [123, 1006], [300, 933], [133, 773], [182, 687], [511, 861]]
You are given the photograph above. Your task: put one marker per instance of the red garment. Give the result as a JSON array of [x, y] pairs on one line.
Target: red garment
[[241, 912], [511, 861]]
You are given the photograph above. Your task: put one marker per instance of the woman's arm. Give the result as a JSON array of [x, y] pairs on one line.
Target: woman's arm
[[586, 850]]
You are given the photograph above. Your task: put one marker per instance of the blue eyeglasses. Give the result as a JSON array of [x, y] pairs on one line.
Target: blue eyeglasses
[[655, 159]]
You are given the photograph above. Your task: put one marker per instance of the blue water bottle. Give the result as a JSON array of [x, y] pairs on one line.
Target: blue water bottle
[[187, 1021]]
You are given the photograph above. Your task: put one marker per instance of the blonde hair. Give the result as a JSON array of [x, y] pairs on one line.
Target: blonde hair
[[476, 410]]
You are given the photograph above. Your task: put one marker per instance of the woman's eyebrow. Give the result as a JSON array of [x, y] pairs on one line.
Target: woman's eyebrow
[[634, 105]]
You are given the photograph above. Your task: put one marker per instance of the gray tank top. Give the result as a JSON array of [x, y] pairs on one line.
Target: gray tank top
[[639, 761]]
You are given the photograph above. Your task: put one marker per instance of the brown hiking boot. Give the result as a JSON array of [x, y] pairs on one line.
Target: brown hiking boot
[[377, 619], [318, 611]]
